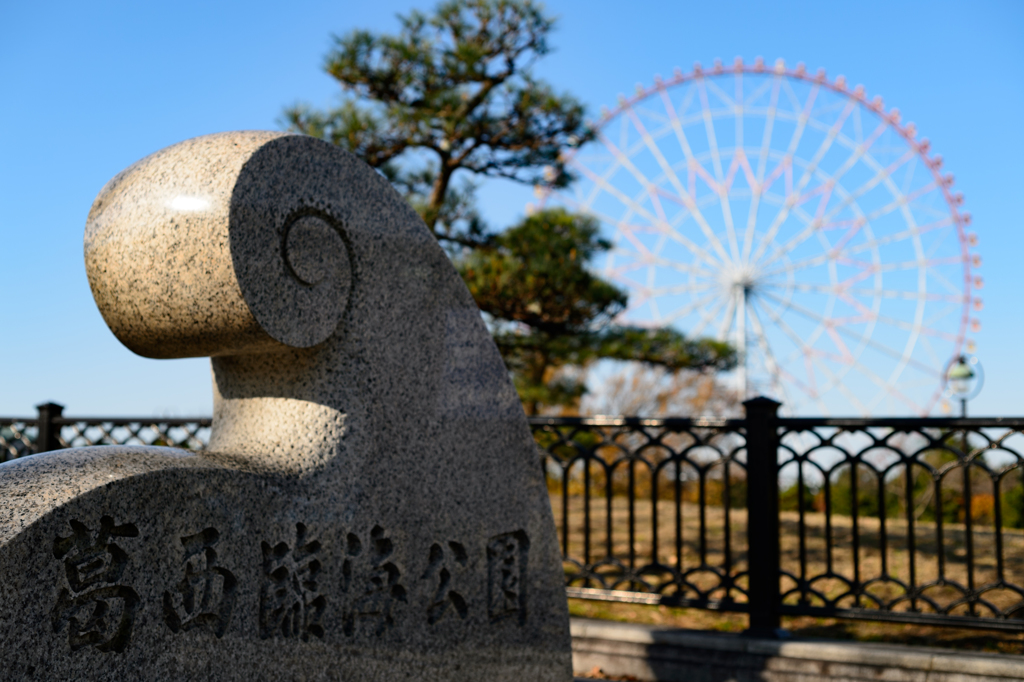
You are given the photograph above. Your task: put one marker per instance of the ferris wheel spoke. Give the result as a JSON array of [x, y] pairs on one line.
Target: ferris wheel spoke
[[908, 178], [896, 237], [935, 246], [859, 151], [677, 126], [774, 368], [867, 313], [709, 314], [721, 186], [649, 187], [726, 325], [666, 168], [785, 165], [937, 275], [653, 291], [850, 233], [858, 126], [730, 228], [794, 99], [642, 297], [804, 344], [864, 266], [626, 228], [688, 201], [639, 261], [769, 126], [739, 162], [793, 197], [810, 228], [811, 355], [709, 127], [685, 311], [923, 263], [916, 327], [866, 340], [822, 219], [603, 183], [883, 174], [731, 102], [940, 315], [623, 133], [795, 266], [937, 361], [762, 159], [621, 196], [684, 105], [837, 382], [852, 364], [738, 110], [748, 234], [833, 132], [902, 201], [750, 99], [644, 258], [832, 290], [826, 323]]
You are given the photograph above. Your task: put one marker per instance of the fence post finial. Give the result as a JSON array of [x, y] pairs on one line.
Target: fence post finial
[[48, 437], [763, 517]]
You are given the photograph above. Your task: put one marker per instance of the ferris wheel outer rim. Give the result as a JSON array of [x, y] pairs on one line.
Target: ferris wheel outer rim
[[891, 118]]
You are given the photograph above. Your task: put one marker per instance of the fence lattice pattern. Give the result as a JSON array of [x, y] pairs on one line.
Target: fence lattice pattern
[[626, 496], [17, 438], [20, 437], [190, 434], [912, 520]]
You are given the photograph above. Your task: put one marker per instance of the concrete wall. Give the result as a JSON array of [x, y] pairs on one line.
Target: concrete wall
[[655, 654]]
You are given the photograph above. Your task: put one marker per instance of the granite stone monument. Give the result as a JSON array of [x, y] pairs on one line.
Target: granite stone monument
[[370, 506]]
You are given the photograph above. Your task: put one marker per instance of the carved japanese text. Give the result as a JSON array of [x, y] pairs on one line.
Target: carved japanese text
[[506, 576], [371, 583], [205, 596], [290, 600], [96, 607]]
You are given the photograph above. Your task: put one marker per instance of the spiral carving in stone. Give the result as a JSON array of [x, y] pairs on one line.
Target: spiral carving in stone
[[223, 245]]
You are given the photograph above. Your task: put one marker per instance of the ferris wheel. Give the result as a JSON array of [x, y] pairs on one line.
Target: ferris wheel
[[793, 217]]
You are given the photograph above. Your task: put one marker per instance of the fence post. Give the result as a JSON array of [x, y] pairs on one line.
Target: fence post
[[763, 517], [49, 433]]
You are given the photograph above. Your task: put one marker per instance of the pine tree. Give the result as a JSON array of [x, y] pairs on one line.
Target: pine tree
[[451, 95], [452, 98], [548, 311]]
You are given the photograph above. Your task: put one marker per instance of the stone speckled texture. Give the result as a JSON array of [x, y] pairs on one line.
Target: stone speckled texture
[[370, 507]]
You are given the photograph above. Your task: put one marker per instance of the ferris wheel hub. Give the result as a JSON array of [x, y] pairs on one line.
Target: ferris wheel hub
[[743, 277]]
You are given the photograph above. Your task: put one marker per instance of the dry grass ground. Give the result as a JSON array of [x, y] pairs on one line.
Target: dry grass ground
[[872, 565]]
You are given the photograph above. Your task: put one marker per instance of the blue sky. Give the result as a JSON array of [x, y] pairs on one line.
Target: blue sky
[[88, 90]]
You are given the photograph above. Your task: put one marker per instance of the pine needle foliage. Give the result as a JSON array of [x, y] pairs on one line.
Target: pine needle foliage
[[451, 92], [451, 98], [548, 311]]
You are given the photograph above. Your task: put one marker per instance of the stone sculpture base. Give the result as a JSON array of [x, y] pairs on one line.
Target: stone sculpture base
[[152, 564], [371, 506]]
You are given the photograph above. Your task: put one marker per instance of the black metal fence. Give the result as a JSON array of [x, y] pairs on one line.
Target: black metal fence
[[51, 430], [908, 520]]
